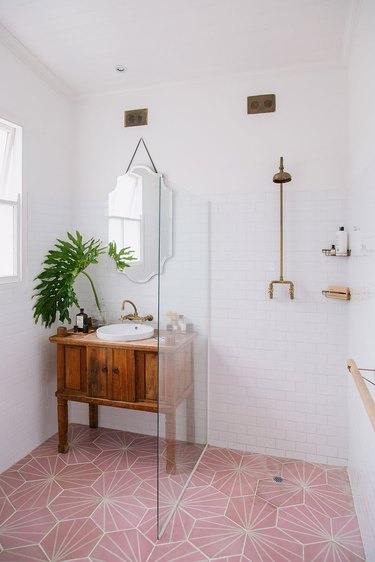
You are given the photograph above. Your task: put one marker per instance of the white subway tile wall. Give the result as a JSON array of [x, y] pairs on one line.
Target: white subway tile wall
[[277, 377], [361, 209]]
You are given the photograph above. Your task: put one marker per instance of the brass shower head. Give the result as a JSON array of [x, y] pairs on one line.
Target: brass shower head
[[281, 176]]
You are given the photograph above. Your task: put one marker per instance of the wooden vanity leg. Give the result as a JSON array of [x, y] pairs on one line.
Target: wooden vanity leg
[[93, 415], [170, 430], [62, 419]]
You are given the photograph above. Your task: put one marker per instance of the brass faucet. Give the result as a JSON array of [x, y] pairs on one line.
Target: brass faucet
[[135, 315]]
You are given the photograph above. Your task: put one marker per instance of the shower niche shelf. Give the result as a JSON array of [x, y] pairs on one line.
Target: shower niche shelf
[[337, 292], [327, 252]]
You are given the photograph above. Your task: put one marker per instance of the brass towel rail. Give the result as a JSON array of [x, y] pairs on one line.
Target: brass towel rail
[[364, 392]]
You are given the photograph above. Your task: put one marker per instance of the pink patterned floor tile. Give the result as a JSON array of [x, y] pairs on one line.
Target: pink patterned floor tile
[[144, 445], [329, 501], [75, 503], [9, 481], [169, 491], [201, 478], [98, 504], [78, 475], [176, 552], [178, 528], [216, 459], [280, 494], [129, 546], [270, 545], [47, 449], [38, 493], [238, 558], [24, 528], [31, 553], [71, 540], [116, 484], [251, 512], [6, 510], [118, 513], [145, 467], [81, 446], [329, 551], [338, 478], [203, 502], [261, 466], [179, 474], [345, 531], [42, 468], [114, 441], [305, 474], [115, 460], [235, 482], [218, 537], [304, 524]]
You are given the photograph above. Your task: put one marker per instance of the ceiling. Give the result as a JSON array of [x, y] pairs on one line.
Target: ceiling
[[81, 41]]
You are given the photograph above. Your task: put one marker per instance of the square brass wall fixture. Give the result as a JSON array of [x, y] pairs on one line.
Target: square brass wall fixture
[[135, 117], [261, 104]]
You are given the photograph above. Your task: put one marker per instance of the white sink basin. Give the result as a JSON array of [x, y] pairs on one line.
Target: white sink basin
[[125, 332]]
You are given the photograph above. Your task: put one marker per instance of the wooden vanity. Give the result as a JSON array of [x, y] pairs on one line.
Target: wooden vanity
[[123, 375]]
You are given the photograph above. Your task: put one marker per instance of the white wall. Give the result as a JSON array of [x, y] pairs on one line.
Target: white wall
[[276, 368], [27, 359], [362, 269]]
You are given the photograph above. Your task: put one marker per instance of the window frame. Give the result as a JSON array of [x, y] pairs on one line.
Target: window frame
[[13, 148]]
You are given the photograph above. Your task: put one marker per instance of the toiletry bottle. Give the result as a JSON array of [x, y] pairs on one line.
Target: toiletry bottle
[[333, 250], [81, 321], [181, 323], [356, 241], [174, 321], [341, 242]]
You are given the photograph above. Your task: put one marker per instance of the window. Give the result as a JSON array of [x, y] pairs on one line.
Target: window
[[10, 201]]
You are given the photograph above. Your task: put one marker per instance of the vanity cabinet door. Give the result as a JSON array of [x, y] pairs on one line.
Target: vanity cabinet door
[[111, 374], [73, 368], [146, 376], [98, 372], [123, 375]]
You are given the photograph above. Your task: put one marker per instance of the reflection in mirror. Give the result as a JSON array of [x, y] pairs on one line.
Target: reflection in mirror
[[133, 220]]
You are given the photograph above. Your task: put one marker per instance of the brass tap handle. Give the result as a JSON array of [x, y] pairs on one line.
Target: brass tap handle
[[132, 304], [270, 290]]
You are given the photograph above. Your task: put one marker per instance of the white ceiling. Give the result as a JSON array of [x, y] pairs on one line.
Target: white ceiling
[[81, 41]]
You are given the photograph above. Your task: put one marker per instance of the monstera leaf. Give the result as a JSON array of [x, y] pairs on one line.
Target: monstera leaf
[[55, 294], [122, 256]]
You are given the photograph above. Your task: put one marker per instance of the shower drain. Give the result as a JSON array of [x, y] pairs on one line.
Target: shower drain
[[278, 479]]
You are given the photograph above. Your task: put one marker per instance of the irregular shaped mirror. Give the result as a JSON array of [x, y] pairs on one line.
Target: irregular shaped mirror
[[133, 220]]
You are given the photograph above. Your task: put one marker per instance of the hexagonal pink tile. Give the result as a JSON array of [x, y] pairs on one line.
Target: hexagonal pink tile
[[129, 546], [69, 540]]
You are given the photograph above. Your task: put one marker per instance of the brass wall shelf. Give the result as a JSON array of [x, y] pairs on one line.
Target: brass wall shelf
[[327, 252], [336, 292]]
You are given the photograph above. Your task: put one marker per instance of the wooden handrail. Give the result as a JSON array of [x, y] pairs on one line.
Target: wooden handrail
[[364, 392]]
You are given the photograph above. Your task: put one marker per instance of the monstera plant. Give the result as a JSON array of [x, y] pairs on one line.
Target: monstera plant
[[54, 293]]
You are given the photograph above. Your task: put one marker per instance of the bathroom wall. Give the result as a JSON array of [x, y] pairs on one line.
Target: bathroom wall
[[277, 370], [362, 268], [27, 365]]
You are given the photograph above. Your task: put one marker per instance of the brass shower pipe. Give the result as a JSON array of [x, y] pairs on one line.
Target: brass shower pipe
[[281, 177]]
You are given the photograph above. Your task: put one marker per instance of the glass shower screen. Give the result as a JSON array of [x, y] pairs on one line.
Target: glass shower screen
[[183, 308]]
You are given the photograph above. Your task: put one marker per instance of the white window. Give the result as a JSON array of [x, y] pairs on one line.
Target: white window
[[10, 201]]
